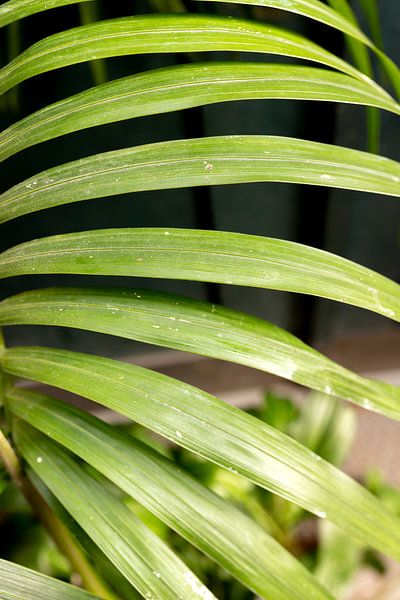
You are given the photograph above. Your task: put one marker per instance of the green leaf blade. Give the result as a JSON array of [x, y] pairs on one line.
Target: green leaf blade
[[361, 59], [180, 87], [340, 17], [387, 63], [212, 256], [313, 9], [205, 161], [201, 328], [370, 9], [20, 583], [14, 10], [139, 554], [164, 34], [219, 432], [176, 498]]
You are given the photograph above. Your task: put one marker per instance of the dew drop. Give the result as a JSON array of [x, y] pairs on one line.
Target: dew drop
[[320, 513], [367, 404]]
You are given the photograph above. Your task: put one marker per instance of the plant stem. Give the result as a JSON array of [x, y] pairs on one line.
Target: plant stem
[[62, 537], [91, 580], [13, 37], [60, 534], [10, 460], [89, 14]]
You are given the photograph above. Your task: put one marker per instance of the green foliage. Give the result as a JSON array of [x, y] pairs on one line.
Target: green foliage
[[186, 86], [223, 513], [19, 582]]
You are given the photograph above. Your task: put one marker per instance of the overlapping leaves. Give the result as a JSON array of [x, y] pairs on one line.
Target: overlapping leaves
[[181, 413]]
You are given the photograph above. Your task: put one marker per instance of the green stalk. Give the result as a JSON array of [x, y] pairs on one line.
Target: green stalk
[[371, 12], [91, 580], [89, 13], [169, 6], [60, 534], [13, 36], [361, 59]]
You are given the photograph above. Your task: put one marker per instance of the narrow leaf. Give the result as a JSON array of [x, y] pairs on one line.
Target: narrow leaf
[[357, 49], [361, 59], [170, 6], [219, 432], [179, 87], [89, 13], [13, 45], [371, 11], [340, 19], [192, 510], [121, 589], [19, 583], [204, 161], [135, 550], [338, 559], [314, 9], [214, 256], [159, 34], [198, 327], [13, 10]]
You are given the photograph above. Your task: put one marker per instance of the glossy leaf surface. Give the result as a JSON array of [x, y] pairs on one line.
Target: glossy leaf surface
[[313, 9], [172, 495], [180, 87], [340, 18], [135, 550], [199, 327], [164, 34], [203, 161], [20, 583], [214, 256], [13, 10], [219, 432]]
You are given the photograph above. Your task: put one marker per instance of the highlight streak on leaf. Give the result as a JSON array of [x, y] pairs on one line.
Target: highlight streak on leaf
[[314, 9]]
